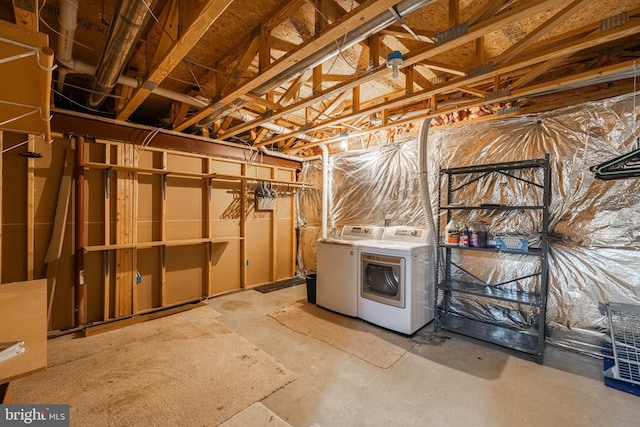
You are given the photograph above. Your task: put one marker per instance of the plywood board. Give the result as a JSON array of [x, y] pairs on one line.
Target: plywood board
[[258, 251], [148, 290], [24, 318], [225, 266], [94, 279], [184, 273], [148, 218], [184, 208]]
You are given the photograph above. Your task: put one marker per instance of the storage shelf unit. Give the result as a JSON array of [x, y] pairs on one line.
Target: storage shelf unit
[[527, 339]]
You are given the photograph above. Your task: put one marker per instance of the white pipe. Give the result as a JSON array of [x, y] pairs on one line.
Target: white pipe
[[325, 189], [68, 22], [272, 153]]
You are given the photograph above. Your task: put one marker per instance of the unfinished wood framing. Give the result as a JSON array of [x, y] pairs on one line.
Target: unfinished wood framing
[[161, 227]]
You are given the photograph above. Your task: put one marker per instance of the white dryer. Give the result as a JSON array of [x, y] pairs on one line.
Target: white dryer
[[397, 276], [337, 267]]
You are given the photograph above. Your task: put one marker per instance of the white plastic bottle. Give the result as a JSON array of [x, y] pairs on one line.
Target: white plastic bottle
[[452, 233]]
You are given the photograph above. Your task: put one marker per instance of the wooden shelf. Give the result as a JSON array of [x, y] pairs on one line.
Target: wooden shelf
[[147, 245], [214, 176]]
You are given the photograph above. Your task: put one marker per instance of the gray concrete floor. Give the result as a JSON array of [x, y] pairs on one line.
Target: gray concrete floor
[[461, 382]]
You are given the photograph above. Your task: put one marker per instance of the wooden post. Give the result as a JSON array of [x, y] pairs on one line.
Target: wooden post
[[1, 156], [30, 207], [80, 301]]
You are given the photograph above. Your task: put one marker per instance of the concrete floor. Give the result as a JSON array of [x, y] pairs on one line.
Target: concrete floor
[[461, 382]]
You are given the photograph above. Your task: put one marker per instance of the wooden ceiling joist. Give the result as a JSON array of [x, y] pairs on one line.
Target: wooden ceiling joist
[[527, 60], [206, 16], [367, 10]]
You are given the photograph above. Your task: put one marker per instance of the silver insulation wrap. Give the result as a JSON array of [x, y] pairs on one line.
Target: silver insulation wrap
[[594, 225]]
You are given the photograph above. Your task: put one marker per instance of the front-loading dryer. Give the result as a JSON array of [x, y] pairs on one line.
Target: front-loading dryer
[[396, 289]]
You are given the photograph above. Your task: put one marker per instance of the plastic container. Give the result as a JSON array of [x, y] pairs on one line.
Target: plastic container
[[478, 235], [452, 233], [311, 288], [464, 235]]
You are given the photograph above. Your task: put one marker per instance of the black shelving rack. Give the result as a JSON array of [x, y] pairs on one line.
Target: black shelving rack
[[527, 339]]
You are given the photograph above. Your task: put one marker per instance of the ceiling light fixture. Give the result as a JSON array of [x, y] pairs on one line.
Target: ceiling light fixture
[[394, 61]]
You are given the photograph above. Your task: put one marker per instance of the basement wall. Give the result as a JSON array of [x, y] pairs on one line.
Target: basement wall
[[161, 228], [594, 228]]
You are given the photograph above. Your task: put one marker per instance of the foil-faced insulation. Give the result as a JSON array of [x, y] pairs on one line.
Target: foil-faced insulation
[[594, 229]]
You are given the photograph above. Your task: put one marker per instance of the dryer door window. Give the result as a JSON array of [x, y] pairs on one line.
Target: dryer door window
[[383, 279]]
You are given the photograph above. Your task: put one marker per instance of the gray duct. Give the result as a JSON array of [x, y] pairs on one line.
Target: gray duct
[[354, 36], [127, 22]]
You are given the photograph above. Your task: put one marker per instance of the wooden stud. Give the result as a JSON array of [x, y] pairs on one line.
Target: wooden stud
[[374, 51], [243, 228], [408, 72], [206, 216], [30, 220], [355, 99], [1, 193], [163, 232], [317, 80], [274, 234], [108, 256], [454, 13]]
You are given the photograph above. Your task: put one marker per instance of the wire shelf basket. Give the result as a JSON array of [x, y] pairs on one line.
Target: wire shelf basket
[[624, 326]]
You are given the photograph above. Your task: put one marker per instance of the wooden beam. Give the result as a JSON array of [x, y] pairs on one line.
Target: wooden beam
[[243, 64], [400, 32], [540, 31], [205, 17], [374, 51], [355, 99], [317, 80], [282, 14], [367, 10], [26, 14], [447, 68], [333, 104], [30, 220], [294, 88], [536, 72], [489, 10], [454, 13], [1, 193]]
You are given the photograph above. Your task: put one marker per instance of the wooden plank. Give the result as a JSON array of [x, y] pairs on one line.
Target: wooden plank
[[243, 64], [106, 282], [206, 16], [163, 233], [206, 217], [24, 318], [1, 192], [30, 220], [274, 234], [59, 228], [355, 99], [134, 229], [26, 13], [454, 13], [243, 228]]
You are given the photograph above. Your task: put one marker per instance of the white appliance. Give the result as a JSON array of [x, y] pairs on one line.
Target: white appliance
[[337, 267], [397, 276]]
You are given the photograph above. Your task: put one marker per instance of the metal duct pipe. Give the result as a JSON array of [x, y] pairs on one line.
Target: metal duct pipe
[[354, 36], [126, 24]]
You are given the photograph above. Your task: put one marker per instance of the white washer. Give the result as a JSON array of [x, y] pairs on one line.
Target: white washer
[[337, 267], [397, 275]]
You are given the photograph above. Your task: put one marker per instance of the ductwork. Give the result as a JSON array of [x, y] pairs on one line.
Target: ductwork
[[354, 36], [126, 24]]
